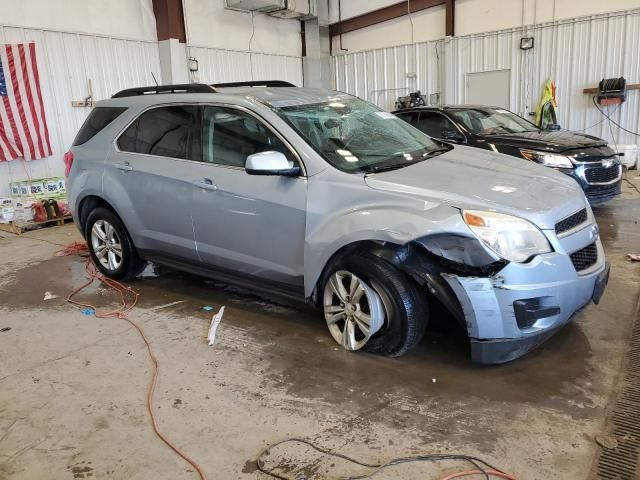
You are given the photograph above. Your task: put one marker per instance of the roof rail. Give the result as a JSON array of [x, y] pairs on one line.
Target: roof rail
[[257, 83], [182, 88]]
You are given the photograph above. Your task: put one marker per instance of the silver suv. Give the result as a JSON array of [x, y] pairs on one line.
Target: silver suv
[[318, 195]]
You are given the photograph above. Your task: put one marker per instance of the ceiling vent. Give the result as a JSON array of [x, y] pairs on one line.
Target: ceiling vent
[[292, 9]]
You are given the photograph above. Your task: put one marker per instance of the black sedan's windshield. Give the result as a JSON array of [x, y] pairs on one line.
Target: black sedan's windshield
[[488, 121], [355, 136]]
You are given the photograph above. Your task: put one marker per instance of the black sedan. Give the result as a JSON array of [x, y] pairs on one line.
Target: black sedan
[[589, 160]]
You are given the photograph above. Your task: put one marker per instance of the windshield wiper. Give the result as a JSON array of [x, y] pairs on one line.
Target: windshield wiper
[[436, 151], [395, 166], [385, 168]]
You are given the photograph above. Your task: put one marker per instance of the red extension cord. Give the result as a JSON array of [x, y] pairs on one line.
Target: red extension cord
[[128, 300]]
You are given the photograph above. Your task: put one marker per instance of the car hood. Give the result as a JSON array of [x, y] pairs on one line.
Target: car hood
[[556, 142], [469, 178]]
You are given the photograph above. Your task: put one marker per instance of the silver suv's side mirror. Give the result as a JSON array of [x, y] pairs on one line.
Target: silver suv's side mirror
[[270, 163]]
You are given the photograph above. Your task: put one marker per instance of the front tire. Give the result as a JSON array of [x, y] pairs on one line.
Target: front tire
[[110, 246], [369, 304]]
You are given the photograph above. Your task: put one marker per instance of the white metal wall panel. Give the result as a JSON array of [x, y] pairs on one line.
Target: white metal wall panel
[[467, 55], [576, 53], [218, 66], [65, 63], [380, 76]]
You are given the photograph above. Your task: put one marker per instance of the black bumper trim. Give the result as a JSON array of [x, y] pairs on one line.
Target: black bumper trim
[[491, 352]]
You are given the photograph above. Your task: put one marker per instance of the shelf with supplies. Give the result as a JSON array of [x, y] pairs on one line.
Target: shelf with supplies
[[34, 203]]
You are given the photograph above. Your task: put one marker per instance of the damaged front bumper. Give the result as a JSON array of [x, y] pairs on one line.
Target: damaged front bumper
[[513, 311]]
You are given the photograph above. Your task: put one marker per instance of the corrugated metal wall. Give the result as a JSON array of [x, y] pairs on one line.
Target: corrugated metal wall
[[380, 76], [217, 66], [576, 53], [65, 62]]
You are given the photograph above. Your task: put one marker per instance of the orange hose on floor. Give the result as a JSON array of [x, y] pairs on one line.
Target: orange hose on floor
[[467, 473], [128, 300], [73, 248]]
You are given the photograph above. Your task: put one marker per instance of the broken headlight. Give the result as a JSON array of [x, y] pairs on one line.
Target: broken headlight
[[511, 238]]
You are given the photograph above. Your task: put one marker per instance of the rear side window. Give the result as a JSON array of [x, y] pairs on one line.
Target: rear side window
[[99, 118], [172, 131]]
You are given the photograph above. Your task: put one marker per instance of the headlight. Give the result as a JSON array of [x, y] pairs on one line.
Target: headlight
[[548, 159], [511, 238]]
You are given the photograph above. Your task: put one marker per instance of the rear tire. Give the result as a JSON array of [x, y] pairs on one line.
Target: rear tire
[[110, 246], [405, 307]]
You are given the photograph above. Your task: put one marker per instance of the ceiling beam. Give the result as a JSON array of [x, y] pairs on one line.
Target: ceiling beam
[[396, 10], [450, 18], [169, 20]]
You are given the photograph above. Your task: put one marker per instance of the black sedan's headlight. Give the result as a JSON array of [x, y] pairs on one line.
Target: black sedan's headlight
[[548, 159]]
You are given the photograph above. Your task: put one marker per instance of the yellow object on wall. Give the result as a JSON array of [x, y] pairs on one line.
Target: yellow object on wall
[[546, 112]]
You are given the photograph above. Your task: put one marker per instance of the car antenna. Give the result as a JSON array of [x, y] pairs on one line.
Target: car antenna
[[154, 79]]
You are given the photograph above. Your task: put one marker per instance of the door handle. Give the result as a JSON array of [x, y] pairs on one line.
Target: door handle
[[206, 184], [124, 166]]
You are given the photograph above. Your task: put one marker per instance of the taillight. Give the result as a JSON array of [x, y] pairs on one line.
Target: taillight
[[68, 162]]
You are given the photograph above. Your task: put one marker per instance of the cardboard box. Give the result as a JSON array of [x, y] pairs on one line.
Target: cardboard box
[[52, 187], [6, 214], [21, 214], [23, 211], [37, 188], [62, 185]]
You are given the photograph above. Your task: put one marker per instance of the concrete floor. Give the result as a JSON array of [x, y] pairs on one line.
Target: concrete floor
[[72, 387]]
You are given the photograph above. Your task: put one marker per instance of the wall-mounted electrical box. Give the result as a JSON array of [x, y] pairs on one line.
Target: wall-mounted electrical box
[[293, 9]]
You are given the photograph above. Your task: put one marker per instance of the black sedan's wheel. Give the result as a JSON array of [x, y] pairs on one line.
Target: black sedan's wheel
[[110, 247], [369, 304]]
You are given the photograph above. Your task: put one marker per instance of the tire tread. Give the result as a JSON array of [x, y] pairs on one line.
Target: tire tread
[[133, 262]]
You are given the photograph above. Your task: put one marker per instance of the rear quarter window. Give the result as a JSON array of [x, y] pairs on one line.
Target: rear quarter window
[[98, 119], [172, 131]]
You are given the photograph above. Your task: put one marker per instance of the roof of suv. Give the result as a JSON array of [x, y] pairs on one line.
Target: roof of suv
[[272, 96], [286, 96]]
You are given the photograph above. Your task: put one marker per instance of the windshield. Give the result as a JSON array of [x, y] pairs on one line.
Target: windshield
[[354, 136], [491, 122]]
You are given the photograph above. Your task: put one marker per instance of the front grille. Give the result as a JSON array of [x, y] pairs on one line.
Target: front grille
[[571, 222], [602, 174], [585, 258]]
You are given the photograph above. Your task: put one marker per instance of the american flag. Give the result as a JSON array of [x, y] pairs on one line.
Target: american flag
[[23, 126]]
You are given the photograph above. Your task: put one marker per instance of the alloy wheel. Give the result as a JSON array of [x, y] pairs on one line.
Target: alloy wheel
[[106, 245], [352, 309]]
